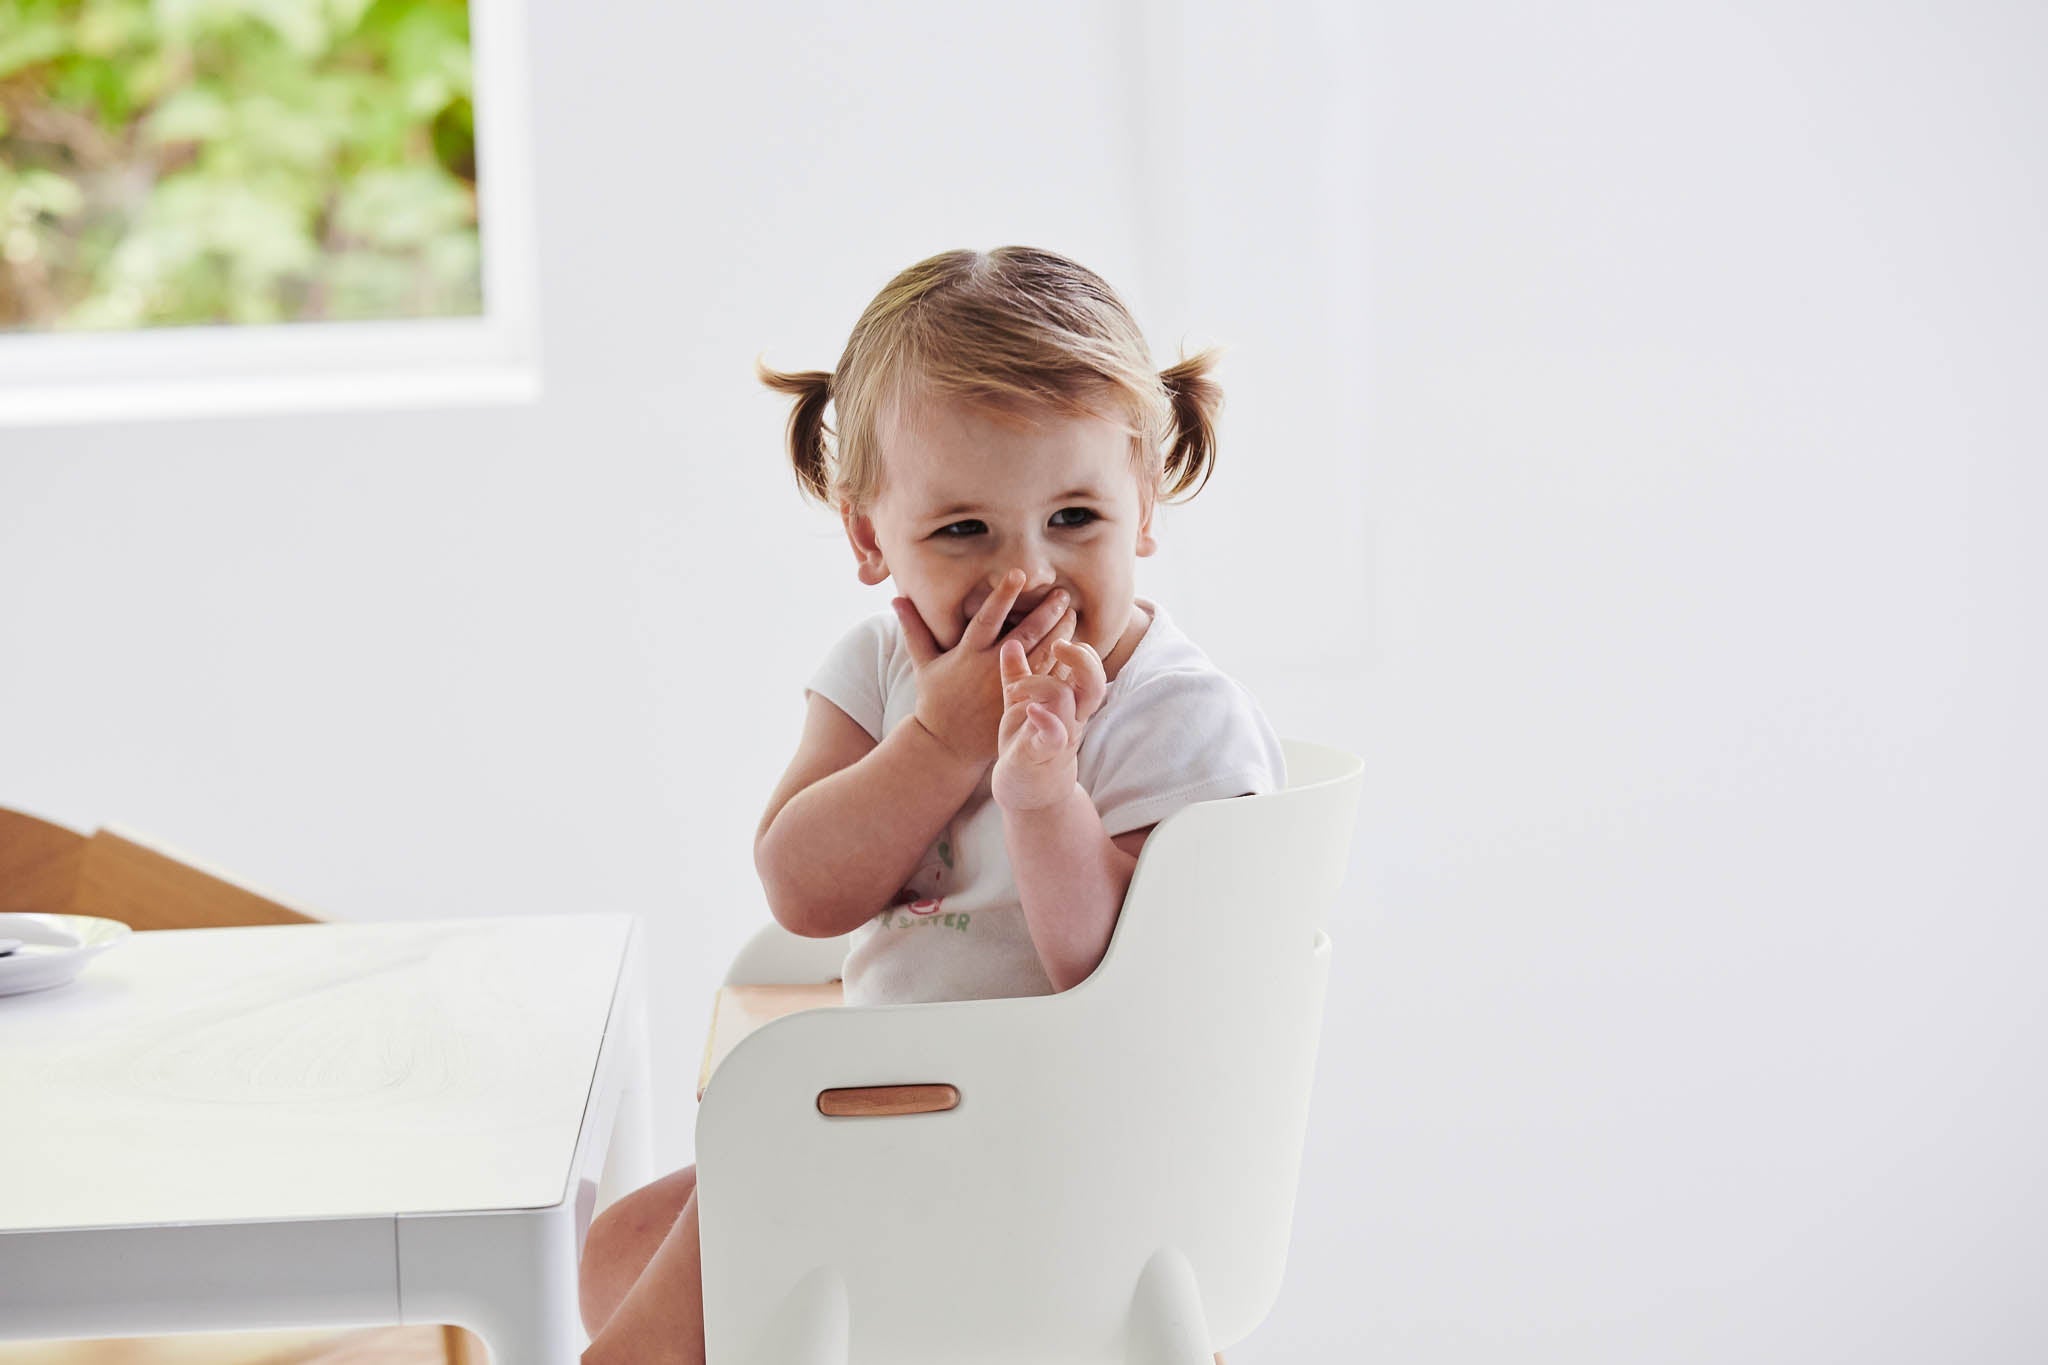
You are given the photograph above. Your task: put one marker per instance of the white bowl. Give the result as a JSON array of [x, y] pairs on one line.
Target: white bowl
[[55, 948]]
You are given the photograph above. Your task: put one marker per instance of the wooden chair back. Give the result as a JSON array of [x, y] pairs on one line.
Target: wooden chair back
[[46, 868]]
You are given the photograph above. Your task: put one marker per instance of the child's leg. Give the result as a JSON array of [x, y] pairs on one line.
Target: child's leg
[[623, 1239], [661, 1321]]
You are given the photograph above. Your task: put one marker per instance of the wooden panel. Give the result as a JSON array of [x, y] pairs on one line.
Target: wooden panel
[[50, 870], [886, 1101], [330, 1346], [463, 1347], [39, 864], [144, 889]]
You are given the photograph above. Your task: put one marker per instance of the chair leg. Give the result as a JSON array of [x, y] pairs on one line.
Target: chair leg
[[1168, 1326], [812, 1327]]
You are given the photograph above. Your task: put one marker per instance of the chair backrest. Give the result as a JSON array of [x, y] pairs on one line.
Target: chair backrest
[[1152, 1116], [1214, 986]]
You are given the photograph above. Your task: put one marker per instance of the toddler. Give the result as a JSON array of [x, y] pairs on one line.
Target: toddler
[[981, 764]]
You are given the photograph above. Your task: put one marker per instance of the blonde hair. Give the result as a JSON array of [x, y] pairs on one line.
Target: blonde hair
[[1013, 329]]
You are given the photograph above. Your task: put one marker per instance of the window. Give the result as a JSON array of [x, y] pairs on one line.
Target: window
[[231, 205]]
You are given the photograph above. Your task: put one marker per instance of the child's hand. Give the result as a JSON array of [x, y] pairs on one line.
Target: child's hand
[[1043, 716], [960, 690]]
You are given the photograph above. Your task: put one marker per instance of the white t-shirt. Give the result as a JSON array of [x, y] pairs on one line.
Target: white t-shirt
[[1172, 730]]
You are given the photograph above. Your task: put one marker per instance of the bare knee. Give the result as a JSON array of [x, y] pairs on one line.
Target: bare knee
[[598, 1275], [622, 1239]]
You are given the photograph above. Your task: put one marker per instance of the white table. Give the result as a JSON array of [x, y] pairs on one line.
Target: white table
[[323, 1124]]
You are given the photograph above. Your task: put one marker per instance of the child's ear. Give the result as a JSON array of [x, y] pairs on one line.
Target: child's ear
[[1147, 546], [860, 533]]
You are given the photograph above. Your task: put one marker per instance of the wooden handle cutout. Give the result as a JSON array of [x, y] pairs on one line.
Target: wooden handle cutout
[[883, 1101]]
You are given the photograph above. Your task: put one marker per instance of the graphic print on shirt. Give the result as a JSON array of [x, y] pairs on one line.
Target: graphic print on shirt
[[917, 904]]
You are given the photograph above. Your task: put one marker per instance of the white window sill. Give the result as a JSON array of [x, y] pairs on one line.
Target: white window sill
[[54, 379]]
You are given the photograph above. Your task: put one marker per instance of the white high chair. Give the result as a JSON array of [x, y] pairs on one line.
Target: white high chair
[[1116, 1183]]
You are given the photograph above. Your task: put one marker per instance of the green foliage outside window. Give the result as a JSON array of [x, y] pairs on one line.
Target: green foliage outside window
[[203, 161]]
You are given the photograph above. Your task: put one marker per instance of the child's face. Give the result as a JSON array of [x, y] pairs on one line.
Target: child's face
[[969, 494]]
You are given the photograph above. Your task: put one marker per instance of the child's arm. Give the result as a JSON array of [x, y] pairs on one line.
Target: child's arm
[[1071, 878], [851, 819]]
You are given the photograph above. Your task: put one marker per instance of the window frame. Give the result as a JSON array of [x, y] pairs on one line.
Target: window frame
[[59, 378]]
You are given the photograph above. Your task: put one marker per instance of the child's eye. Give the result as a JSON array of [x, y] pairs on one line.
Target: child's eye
[[959, 530]]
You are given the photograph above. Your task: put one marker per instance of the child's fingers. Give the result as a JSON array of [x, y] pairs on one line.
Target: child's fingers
[[1021, 689], [1063, 629], [1040, 624], [916, 635], [988, 622], [1015, 667], [1087, 678], [1026, 741], [1048, 735]]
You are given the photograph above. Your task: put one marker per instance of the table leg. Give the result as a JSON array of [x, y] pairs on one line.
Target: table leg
[[508, 1277], [629, 1158]]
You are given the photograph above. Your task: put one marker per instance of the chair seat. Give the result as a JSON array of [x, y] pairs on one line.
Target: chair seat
[[738, 1010]]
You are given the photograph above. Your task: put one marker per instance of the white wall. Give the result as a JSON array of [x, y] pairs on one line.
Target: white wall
[[1636, 464], [1705, 441]]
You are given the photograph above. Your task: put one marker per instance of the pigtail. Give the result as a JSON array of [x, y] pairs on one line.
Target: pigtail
[[1191, 445], [812, 390]]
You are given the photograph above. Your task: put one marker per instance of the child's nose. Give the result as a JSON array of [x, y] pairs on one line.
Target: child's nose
[[1038, 575]]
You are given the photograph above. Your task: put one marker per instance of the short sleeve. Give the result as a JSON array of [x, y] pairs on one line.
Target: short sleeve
[[853, 675], [1185, 736]]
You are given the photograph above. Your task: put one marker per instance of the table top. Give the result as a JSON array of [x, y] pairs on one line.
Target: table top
[[303, 1071]]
